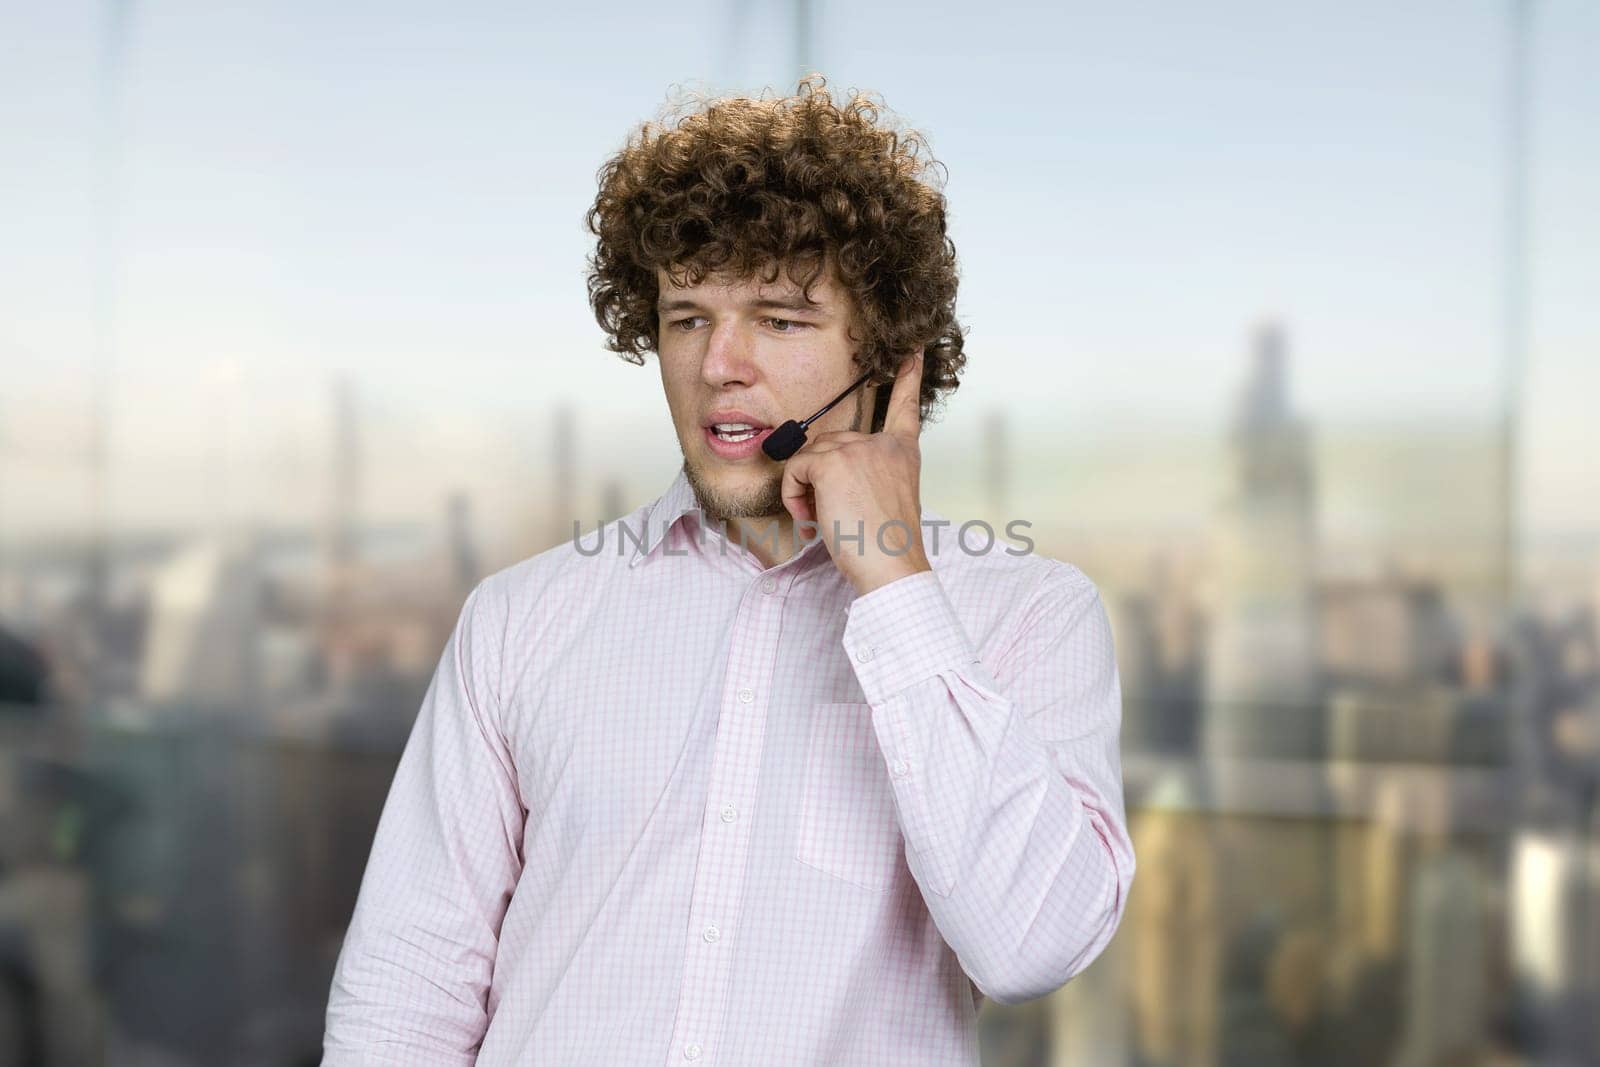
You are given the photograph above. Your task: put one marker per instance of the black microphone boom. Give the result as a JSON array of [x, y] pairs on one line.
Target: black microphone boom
[[786, 440]]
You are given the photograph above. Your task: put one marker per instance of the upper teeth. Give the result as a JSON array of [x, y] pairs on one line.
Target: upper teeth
[[731, 426]]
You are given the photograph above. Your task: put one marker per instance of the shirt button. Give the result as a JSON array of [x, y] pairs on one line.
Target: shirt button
[[729, 813], [900, 768], [864, 654], [712, 933], [746, 696], [769, 585], [691, 1052]]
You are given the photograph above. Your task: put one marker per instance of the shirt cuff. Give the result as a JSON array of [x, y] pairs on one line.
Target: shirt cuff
[[902, 633]]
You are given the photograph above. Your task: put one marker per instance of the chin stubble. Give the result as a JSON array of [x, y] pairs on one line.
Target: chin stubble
[[764, 501]]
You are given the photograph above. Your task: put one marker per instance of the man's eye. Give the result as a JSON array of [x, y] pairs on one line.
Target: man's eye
[[680, 323], [787, 322]]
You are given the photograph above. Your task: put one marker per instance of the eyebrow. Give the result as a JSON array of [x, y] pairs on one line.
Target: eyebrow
[[793, 303]]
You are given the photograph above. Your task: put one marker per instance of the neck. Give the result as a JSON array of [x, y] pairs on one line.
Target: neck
[[769, 538]]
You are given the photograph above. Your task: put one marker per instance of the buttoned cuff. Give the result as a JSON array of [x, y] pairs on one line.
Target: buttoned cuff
[[903, 633]]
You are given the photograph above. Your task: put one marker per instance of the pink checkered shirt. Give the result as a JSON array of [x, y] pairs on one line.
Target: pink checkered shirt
[[663, 805]]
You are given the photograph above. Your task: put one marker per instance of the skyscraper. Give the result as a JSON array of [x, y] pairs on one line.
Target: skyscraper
[[1261, 669], [344, 501], [564, 471]]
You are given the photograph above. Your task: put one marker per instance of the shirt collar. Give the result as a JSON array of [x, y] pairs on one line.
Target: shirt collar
[[664, 514]]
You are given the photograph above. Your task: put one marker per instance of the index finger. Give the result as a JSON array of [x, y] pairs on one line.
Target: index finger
[[904, 416]]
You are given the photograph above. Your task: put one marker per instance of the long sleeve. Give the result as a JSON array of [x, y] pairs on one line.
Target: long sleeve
[[412, 979], [1006, 774]]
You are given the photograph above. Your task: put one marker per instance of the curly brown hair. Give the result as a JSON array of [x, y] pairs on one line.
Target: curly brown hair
[[739, 186]]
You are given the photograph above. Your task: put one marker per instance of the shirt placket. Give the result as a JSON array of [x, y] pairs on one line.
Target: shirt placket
[[719, 875]]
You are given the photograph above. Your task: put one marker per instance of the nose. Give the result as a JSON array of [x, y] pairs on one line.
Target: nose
[[729, 357]]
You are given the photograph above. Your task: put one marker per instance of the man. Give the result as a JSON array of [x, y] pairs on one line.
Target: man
[[776, 769]]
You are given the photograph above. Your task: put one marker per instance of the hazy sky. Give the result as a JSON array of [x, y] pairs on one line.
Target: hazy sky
[[396, 192]]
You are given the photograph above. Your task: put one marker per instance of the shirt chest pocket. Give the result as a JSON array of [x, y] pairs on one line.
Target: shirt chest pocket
[[848, 825]]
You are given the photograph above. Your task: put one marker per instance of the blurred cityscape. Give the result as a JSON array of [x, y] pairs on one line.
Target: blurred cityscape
[[260, 257], [1363, 801]]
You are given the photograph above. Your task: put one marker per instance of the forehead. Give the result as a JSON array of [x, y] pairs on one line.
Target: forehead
[[824, 291]]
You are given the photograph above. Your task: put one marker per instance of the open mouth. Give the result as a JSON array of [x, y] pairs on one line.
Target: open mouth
[[734, 432], [735, 440]]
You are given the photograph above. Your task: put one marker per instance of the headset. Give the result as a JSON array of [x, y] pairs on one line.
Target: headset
[[787, 439]]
